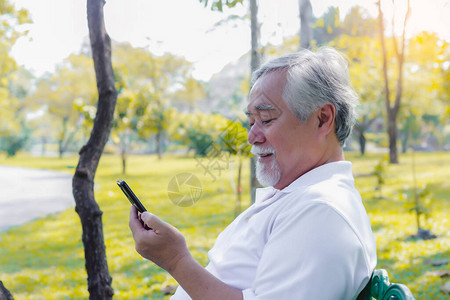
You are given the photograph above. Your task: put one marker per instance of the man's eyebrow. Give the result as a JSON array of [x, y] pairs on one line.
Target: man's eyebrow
[[261, 107], [265, 106]]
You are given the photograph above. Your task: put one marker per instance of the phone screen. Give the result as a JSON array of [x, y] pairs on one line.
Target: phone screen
[[131, 196]]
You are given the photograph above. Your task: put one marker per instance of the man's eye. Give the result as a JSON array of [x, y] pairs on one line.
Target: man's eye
[[264, 122]]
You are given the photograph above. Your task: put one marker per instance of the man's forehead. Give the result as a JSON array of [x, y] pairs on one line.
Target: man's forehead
[[267, 90], [261, 102], [258, 100]]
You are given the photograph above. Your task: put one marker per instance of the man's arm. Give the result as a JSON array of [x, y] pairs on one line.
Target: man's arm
[[165, 245]]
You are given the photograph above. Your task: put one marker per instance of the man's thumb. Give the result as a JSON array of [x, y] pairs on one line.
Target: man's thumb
[[152, 221]]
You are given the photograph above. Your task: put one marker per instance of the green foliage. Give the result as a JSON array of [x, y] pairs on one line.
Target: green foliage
[[198, 131], [233, 138], [192, 91], [326, 28], [68, 98], [15, 131], [379, 171], [147, 83], [359, 23], [218, 4], [11, 144], [417, 205], [11, 28]]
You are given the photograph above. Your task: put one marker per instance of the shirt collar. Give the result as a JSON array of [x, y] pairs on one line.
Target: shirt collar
[[319, 174], [263, 194]]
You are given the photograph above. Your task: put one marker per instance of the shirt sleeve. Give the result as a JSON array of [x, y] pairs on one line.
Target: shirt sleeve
[[310, 254]]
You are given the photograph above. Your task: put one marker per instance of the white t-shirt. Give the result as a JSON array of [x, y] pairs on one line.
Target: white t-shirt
[[310, 240]]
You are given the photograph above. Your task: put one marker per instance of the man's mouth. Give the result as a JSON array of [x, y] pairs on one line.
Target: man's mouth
[[262, 157], [263, 153]]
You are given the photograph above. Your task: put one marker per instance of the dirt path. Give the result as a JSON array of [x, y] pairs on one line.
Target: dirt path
[[27, 194]]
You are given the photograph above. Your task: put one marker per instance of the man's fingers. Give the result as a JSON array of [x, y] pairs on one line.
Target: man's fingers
[[134, 221]]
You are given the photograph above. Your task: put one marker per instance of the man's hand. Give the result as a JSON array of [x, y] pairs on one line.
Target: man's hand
[[159, 242], [165, 246]]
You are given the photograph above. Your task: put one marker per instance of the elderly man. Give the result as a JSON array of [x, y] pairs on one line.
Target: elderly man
[[308, 235]]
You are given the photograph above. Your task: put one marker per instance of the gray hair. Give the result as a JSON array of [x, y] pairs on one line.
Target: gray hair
[[313, 80]]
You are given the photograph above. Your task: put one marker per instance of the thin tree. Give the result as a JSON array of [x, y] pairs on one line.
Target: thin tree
[[254, 64], [306, 20], [99, 280], [4, 293], [392, 110]]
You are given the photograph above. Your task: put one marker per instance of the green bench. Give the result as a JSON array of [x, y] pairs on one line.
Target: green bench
[[380, 288]]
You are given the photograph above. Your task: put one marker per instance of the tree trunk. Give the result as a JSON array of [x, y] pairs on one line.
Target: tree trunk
[[392, 132], [416, 196], [362, 143], [237, 209], [123, 155], [44, 142], [392, 111], [306, 19], [61, 146], [254, 64], [159, 144], [4, 293], [60, 149], [99, 280]]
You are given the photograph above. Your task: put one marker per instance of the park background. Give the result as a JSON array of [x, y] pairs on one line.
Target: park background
[[179, 113]]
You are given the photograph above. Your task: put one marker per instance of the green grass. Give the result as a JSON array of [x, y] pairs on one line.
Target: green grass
[[44, 259]]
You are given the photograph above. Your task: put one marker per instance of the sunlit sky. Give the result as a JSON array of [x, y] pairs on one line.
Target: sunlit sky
[[185, 27]]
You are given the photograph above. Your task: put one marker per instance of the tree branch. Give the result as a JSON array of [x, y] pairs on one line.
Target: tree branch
[[385, 68], [400, 61]]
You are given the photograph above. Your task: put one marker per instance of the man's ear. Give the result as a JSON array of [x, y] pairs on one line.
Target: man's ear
[[326, 116]]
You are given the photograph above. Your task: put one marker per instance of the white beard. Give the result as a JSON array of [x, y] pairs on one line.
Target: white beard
[[268, 174]]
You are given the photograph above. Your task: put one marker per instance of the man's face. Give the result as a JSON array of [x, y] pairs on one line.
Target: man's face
[[284, 147]]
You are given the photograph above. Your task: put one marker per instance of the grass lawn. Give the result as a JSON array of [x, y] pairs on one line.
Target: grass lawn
[[44, 259]]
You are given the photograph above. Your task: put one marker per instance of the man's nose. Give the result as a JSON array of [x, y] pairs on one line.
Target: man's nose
[[255, 135]]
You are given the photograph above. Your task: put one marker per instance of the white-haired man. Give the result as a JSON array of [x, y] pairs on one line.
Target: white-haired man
[[308, 235]]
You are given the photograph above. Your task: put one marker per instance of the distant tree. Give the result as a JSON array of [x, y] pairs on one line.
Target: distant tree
[[17, 131], [198, 131], [255, 62], [421, 198], [357, 42], [68, 99], [399, 52], [326, 27], [358, 22], [234, 141], [125, 122], [147, 83], [425, 94], [379, 172], [12, 119], [158, 116], [192, 91], [410, 129], [99, 280]]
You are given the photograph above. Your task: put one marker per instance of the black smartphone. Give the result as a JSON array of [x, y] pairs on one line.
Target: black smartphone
[[131, 196]]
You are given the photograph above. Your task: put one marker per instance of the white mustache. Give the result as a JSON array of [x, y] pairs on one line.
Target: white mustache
[[258, 150]]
